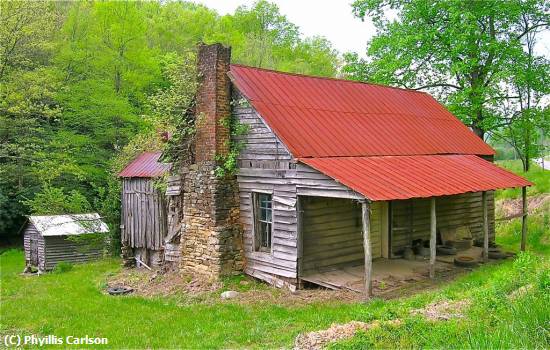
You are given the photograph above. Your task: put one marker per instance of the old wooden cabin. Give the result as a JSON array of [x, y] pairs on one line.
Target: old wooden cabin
[[333, 174], [47, 243]]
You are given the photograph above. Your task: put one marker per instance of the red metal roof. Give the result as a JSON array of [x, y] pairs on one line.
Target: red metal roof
[[145, 165], [403, 177], [324, 117]]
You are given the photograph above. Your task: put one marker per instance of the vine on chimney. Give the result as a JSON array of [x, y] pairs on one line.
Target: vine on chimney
[[228, 163]]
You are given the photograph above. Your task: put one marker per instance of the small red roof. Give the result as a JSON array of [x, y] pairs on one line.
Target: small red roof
[[145, 165], [403, 177], [324, 117]]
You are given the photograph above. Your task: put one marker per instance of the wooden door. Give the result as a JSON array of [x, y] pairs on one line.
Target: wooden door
[[34, 251]]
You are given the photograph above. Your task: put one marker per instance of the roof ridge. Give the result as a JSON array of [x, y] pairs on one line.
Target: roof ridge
[[330, 78]]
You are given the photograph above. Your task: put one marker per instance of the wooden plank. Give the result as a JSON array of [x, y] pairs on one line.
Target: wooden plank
[[433, 241], [367, 248], [524, 218], [485, 227]]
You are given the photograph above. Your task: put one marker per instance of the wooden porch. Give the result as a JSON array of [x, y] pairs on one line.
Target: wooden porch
[[387, 274]]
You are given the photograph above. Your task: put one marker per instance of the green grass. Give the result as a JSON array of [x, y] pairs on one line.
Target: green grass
[[72, 303], [540, 177]]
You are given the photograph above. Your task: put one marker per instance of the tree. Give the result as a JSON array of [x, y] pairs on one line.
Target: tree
[[460, 51], [261, 36], [527, 107]]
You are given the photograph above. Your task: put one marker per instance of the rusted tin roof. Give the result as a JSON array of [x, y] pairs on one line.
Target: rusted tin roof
[[403, 177], [145, 165], [323, 117]]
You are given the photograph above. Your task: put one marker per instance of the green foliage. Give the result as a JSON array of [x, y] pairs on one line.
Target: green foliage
[[536, 175], [86, 86], [52, 201], [228, 162]]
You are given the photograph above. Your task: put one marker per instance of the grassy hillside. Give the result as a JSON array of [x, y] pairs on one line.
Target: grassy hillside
[[72, 303]]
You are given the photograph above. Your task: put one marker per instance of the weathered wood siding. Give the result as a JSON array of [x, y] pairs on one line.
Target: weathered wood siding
[[31, 233], [143, 214], [332, 233], [54, 249], [265, 165], [60, 248], [411, 218]]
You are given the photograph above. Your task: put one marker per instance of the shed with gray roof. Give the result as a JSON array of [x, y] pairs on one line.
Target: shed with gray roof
[[47, 242]]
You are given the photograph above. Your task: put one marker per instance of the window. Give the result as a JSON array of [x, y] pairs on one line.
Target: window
[[263, 221]]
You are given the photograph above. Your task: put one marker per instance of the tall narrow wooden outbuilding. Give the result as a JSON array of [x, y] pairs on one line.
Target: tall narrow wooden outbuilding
[[143, 217]]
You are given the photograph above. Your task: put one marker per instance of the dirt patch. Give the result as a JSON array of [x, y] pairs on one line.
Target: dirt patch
[[508, 208], [319, 339], [521, 291], [191, 290], [161, 283], [443, 310]]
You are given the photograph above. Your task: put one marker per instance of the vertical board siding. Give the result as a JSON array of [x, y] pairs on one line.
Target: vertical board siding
[[332, 233], [29, 234], [451, 212], [143, 214]]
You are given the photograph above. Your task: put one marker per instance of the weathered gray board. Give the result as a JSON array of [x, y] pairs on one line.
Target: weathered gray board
[[143, 214], [52, 250], [411, 218], [332, 233]]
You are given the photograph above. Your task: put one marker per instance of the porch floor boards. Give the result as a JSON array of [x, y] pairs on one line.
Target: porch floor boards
[[387, 274]]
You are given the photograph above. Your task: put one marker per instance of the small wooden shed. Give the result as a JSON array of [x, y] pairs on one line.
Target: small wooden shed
[[143, 217], [47, 243]]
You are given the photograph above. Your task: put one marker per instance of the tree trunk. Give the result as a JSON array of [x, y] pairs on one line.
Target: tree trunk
[[478, 131]]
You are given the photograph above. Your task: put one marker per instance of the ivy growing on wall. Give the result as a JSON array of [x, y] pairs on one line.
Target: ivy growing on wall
[[228, 162]]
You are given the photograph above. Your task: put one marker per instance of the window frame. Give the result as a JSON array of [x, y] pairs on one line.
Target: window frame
[[258, 221]]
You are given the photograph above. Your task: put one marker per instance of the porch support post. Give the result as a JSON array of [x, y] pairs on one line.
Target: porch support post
[[485, 227], [367, 248], [524, 218], [433, 240]]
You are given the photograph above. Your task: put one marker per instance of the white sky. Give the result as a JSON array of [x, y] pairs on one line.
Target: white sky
[[332, 19], [329, 18]]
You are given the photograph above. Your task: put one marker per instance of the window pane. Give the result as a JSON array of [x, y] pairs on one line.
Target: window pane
[[264, 217]]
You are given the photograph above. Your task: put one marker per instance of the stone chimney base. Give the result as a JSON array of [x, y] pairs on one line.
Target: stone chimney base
[[211, 241]]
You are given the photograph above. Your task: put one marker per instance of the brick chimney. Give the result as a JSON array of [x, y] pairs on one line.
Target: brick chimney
[[212, 102], [211, 237]]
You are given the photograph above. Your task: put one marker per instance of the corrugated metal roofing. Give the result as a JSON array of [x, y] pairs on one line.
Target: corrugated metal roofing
[[145, 165], [403, 177], [323, 117], [68, 225]]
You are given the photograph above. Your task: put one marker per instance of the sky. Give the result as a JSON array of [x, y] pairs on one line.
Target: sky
[[329, 18], [332, 19]]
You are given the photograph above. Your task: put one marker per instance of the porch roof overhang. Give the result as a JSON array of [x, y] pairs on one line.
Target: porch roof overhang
[[419, 176]]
